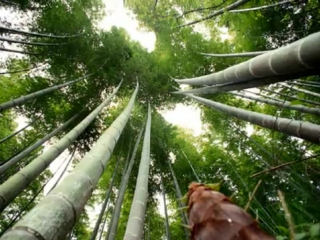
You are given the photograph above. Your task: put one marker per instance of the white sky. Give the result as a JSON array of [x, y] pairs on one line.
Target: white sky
[[117, 15]]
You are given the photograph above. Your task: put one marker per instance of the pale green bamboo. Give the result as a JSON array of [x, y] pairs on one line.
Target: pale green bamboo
[[237, 86], [105, 202], [297, 57], [184, 218], [310, 82], [56, 214], [227, 55], [135, 223], [304, 84], [22, 100], [4, 167], [18, 182], [258, 8], [305, 130], [300, 90], [284, 104], [292, 97], [16, 31], [165, 209], [113, 227]]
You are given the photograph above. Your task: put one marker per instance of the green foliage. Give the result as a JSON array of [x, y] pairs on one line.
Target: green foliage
[[224, 153]]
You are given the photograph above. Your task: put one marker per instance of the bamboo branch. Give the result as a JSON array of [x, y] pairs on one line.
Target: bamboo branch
[[283, 165], [252, 195]]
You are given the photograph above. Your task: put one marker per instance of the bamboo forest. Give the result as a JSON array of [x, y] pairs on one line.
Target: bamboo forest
[[160, 119]]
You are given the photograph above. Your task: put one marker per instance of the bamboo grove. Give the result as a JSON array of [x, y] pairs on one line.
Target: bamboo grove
[[86, 152]]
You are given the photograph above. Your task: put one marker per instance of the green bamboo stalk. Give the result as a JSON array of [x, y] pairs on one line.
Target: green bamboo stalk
[[227, 55], [22, 100], [30, 149], [310, 82], [239, 85], [135, 223], [297, 57], [184, 218], [284, 104], [16, 31], [18, 182], [113, 227], [105, 202], [165, 208], [55, 215], [286, 96], [25, 207], [304, 84], [300, 90], [64, 170], [193, 170], [305, 130]]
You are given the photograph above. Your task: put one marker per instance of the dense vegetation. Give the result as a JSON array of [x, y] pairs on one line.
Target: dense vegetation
[[229, 150]]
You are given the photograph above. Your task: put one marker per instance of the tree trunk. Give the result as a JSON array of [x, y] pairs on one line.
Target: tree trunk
[[184, 218], [259, 8], [30, 149], [304, 130], [104, 205], [56, 214], [17, 132], [18, 182], [31, 43], [284, 104], [165, 208], [113, 226], [135, 223], [217, 13], [16, 31], [300, 90], [245, 54], [297, 57], [22, 100]]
